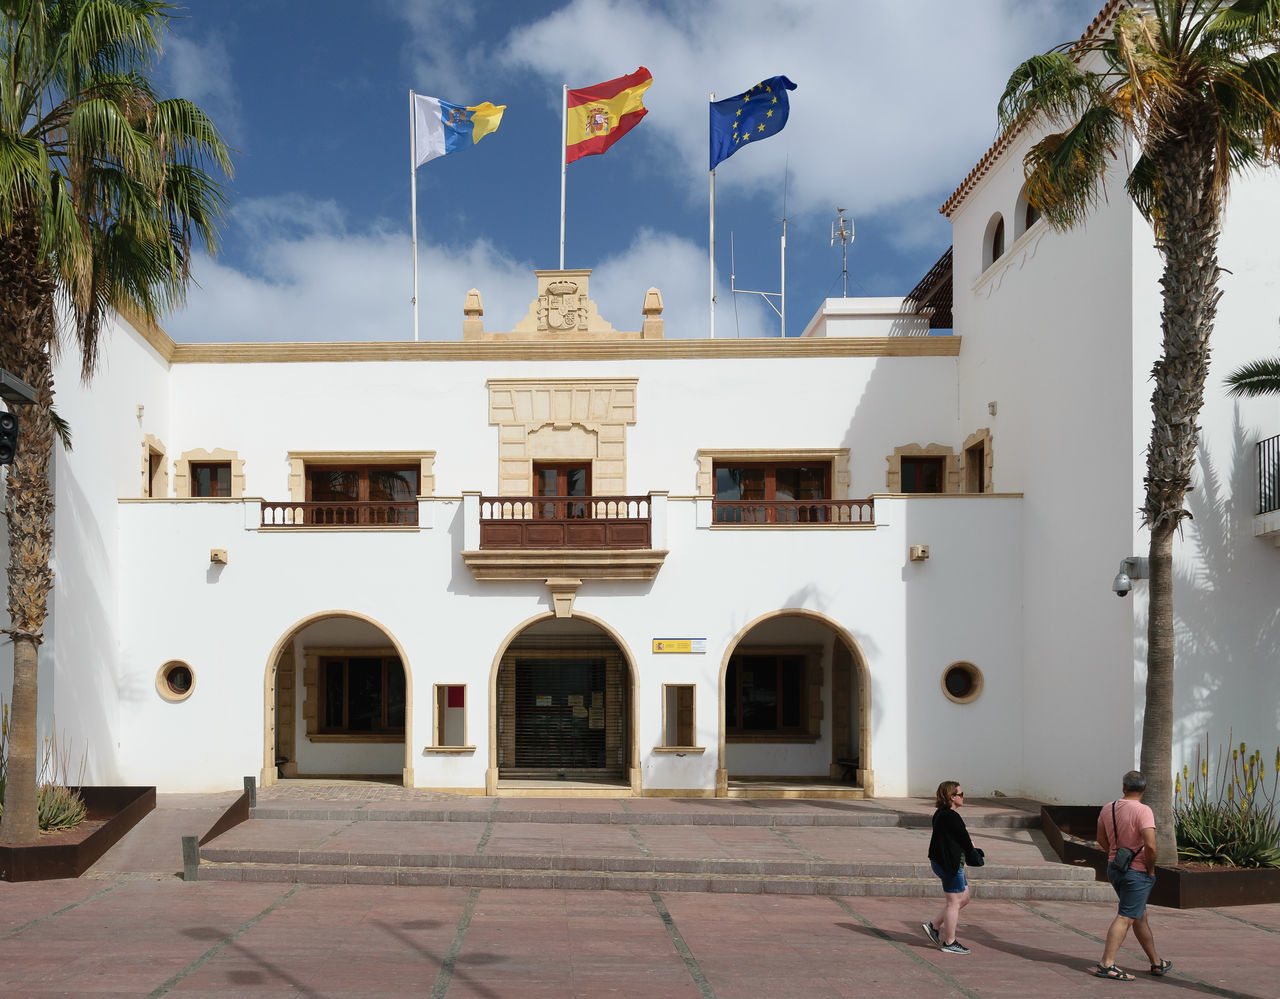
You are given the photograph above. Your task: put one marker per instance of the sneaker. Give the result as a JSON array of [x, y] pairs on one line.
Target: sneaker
[[955, 947], [931, 933]]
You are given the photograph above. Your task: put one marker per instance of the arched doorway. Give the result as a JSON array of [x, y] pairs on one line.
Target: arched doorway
[[795, 695], [338, 702], [561, 703]]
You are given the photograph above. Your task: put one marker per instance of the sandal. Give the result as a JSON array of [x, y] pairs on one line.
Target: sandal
[[1114, 973], [1161, 969]]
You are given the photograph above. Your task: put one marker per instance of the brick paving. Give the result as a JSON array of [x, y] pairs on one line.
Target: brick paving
[[130, 928]]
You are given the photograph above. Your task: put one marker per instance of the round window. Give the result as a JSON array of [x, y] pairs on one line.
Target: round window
[[175, 680], [962, 682]]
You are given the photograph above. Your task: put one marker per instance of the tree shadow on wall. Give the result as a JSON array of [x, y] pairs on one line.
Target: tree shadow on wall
[[1226, 621]]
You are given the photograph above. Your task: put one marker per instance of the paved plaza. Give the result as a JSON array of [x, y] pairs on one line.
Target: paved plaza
[[131, 927]]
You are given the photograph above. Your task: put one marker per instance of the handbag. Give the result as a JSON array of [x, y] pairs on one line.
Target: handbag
[[1124, 855], [975, 857]]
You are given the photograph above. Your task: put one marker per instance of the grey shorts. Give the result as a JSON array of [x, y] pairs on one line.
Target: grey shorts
[[1132, 888]]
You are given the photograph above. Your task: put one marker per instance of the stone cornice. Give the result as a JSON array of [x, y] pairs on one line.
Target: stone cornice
[[600, 350]]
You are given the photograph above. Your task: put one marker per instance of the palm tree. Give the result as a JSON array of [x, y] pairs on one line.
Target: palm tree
[[1256, 378], [103, 189], [1191, 88]]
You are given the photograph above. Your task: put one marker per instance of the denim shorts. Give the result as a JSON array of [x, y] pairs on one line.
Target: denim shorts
[[952, 884], [1132, 887]]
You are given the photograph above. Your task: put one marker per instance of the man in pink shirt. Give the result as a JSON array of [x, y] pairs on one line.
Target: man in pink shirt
[[1127, 822]]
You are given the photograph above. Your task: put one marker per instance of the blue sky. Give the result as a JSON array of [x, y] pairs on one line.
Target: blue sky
[[895, 103]]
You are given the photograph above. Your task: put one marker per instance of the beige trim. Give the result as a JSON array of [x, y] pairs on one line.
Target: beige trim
[[157, 487], [865, 775], [629, 663], [975, 676], [981, 436], [451, 751], [681, 750], [298, 461], [162, 681], [580, 350], [182, 471], [546, 565], [837, 456], [893, 476], [149, 330], [267, 777], [562, 419]]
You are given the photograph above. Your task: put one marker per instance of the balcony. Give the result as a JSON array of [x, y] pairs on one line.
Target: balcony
[[1267, 522], [346, 514], [588, 522], [824, 512]]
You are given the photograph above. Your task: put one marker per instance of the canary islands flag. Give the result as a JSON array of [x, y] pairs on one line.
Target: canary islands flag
[[749, 117], [441, 127]]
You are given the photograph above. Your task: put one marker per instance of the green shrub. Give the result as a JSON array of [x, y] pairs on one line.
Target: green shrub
[[59, 807], [1231, 820]]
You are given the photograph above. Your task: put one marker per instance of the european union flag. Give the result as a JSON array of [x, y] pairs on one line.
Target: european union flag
[[757, 114]]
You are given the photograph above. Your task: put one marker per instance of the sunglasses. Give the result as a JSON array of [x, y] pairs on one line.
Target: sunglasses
[[957, 794]]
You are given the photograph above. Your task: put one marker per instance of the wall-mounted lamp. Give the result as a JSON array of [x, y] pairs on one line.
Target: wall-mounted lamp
[[918, 553], [218, 556], [141, 410], [1131, 568], [991, 408]]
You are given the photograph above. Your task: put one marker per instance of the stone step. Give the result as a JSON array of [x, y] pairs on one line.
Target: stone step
[[743, 817], [780, 884], [629, 864]]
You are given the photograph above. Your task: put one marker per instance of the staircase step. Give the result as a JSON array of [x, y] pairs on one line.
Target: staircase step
[[780, 884], [736, 817]]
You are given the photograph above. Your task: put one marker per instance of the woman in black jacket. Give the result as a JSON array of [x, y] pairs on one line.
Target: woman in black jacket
[[948, 848]]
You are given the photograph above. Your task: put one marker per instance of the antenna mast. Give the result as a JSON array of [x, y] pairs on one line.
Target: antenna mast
[[842, 229]]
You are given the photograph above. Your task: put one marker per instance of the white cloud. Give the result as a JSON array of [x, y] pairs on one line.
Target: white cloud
[[201, 72]]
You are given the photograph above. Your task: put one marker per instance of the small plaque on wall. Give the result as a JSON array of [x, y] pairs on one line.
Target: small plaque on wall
[[680, 645]]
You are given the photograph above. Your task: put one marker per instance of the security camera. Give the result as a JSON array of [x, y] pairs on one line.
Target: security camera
[[1122, 584]]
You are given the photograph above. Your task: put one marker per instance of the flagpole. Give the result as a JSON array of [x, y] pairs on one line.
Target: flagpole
[[413, 206], [564, 139], [712, 241]]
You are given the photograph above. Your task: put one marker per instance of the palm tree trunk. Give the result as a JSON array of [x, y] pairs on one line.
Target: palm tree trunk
[[1157, 716], [26, 330], [1190, 217]]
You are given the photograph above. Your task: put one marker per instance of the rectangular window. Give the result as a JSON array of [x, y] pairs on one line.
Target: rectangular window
[[363, 494], [923, 474], [766, 694], [975, 469], [677, 714], [774, 493], [211, 478], [451, 717], [561, 480], [361, 694], [155, 474]]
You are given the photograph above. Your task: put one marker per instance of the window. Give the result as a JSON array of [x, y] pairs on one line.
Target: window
[[361, 694], [211, 478], [962, 682], [451, 715], [563, 480], [993, 241], [175, 681], [363, 494], [975, 468], [677, 714], [766, 694], [1031, 216], [923, 474], [772, 493]]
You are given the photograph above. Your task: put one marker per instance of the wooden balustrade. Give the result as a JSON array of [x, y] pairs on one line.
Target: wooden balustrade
[[350, 514], [825, 511], [516, 522]]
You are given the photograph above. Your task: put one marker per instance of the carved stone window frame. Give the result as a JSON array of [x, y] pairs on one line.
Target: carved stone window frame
[[950, 465], [980, 436], [157, 487], [837, 457], [182, 470]]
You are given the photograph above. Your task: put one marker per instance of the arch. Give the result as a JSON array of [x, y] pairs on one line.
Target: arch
[[268, 774], [633, 745], [1025, 214], [993, 240], [862, 676]]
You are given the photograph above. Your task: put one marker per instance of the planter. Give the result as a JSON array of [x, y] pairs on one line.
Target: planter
[[1070, 830], [119, 809]]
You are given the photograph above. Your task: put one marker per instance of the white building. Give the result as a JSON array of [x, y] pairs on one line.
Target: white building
[[866, 555]]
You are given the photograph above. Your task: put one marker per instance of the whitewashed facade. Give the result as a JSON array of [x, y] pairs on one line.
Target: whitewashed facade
[[1036, 409]]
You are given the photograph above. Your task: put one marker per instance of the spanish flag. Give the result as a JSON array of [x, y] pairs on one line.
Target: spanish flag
[[599, 116]]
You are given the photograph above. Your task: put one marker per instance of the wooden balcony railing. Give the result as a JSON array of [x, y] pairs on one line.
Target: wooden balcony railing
[[1269, 475], [856, 511], [557, 522], [351, 514]]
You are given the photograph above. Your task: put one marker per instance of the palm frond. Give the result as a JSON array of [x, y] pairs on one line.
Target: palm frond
[[1258, 378], [1050, 85], [1065, 171]]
